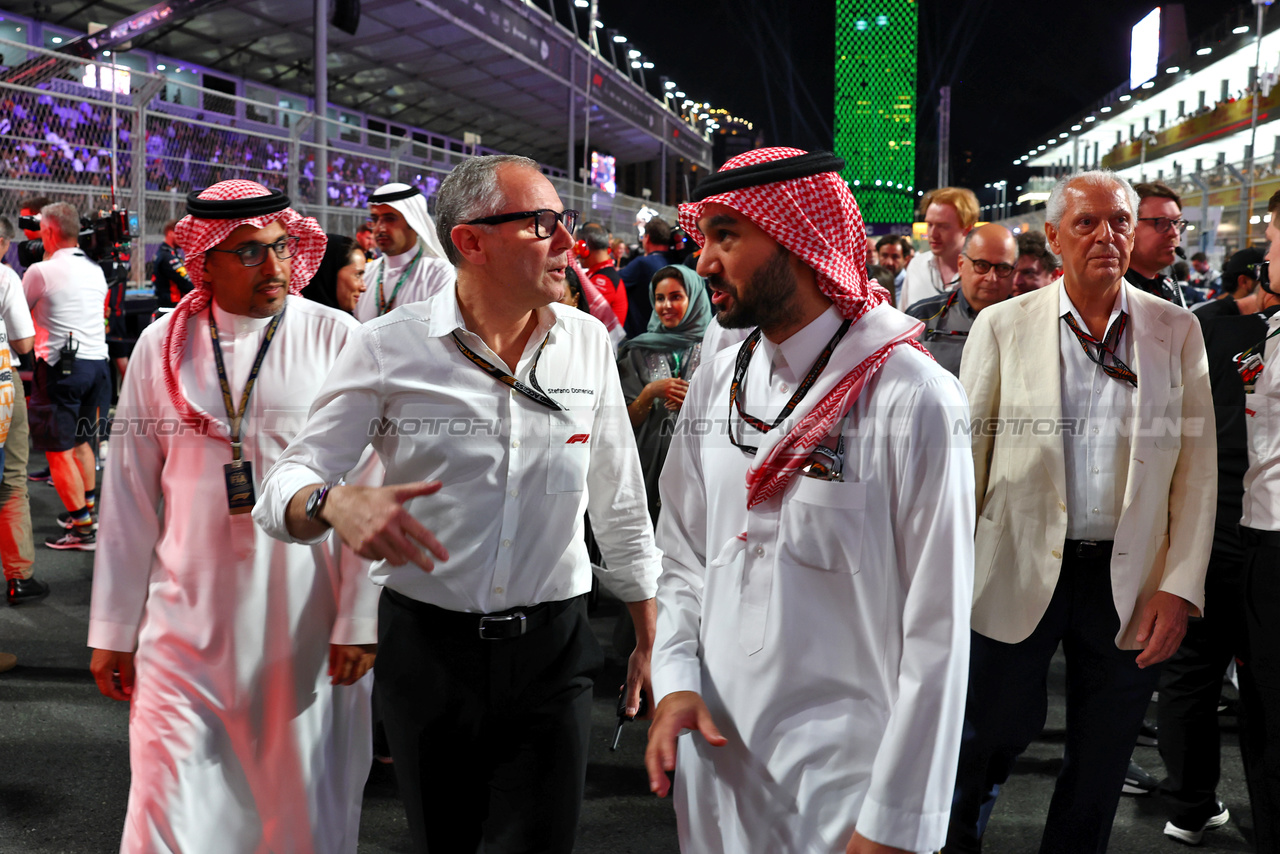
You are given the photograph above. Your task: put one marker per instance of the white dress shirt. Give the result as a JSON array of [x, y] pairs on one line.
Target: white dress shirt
[[430, 276], [923, 280], [67, 294], [1262, 412], [517, 475], [1096, 413], [14, 310], [828, 627]]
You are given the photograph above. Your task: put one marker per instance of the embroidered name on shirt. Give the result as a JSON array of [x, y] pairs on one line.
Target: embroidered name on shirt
[[571, 391]]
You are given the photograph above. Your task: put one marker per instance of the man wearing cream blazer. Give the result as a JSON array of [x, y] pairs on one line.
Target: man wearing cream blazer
[[1094, 455]]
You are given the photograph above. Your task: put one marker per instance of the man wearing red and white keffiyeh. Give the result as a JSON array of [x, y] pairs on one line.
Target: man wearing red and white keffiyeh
[[243, 658], [817, 525]]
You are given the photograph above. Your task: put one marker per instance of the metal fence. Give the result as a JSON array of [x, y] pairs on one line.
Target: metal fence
[[101, 136]]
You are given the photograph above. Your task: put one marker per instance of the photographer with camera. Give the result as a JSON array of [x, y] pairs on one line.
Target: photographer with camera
[[72, 393]]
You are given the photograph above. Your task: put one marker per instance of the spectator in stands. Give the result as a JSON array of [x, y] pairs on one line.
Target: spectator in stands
[[889, 255], [949, 214], [1036, 266], [986, 278], [1191, 681], [1155, 239], [593, 254], [339, 281], [414, 264], [656, 366], [168, 270], [639, 273], [1239, 280], [16, 549], [1204, 277], [66, 292], [364, 238]]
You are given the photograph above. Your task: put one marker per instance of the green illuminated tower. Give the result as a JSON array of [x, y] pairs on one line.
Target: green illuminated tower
[[876, 105]]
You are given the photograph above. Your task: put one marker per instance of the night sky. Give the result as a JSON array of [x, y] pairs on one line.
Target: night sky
[[1016, 67]]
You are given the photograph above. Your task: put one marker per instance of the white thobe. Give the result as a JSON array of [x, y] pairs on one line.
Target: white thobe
[[854, 596], [237, 741], [428, 277]]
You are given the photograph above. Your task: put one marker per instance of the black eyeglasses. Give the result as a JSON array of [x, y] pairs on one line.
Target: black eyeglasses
[[253, 254], [1003, 271], [544, 220], [1162, 224]]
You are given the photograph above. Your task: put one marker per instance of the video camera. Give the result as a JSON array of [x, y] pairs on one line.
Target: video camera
[[107, 239]]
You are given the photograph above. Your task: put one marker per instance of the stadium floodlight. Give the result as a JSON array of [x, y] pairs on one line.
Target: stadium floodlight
[[1150, 84], [679, 94], [1105, 110], [1244, 28], [646, 64], [582, 4], [1126, 97], [619, 38], [667, 84], [1075, 127], [1063, 135], [635, 64], [633, 53], [1173, 69], [1090, 119], [1204, 51]]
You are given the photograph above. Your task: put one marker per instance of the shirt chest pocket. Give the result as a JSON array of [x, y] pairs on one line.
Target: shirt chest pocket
[[569, 451], [822, 524]]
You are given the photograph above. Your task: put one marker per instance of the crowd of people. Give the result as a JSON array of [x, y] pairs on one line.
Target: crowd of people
[[48, 138], [849, 591]]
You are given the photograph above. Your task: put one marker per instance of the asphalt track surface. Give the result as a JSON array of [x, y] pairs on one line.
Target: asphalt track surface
[[64, 764]]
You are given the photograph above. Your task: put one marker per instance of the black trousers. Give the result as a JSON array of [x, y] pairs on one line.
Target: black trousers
[[489, 736], [1190, 688], [1107, 695], [1260, 684]]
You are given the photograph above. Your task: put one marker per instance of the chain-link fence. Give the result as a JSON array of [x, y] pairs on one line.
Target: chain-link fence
[[101, 136]]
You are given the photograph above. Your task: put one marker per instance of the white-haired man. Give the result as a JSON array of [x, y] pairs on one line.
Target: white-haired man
[[1094, 456], [413, 265]]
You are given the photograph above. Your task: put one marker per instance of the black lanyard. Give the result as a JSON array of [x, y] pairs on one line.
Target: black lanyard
[[237, 416], [384, 304], [740, 371], [536, 394]]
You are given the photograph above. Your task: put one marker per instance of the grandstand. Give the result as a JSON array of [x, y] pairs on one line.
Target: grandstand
[[78, 137], [1191, 126]]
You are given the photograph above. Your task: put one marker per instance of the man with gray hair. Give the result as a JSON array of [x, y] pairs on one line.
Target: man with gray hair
[[66, 292], [485, 662], [1094, 457]]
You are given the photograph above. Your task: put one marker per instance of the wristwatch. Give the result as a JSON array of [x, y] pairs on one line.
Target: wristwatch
[[315, 502]]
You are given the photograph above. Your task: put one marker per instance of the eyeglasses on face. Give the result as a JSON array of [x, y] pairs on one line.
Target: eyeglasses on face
[[1003, 271], [1162, 224], [253, 254], [544, 220]]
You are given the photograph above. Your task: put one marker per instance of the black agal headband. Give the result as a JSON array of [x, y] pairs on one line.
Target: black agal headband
[[800, 166], [383, 197], [254, 206]]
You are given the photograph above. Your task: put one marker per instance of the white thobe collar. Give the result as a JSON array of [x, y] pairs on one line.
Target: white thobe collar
[[398, 262], [792, 359], [237, 325]]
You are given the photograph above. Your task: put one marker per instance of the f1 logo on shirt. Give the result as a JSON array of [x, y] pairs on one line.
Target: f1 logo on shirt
[[578, 439]]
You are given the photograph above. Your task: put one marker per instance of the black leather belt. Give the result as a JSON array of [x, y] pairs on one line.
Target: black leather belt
[[1259, 537], [503, 625], [1088, 549]]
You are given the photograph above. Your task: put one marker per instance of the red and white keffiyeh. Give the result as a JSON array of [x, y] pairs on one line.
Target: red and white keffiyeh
[[197, 236], [816, 218]]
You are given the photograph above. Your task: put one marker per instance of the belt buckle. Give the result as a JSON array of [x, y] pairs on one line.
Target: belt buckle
[[1085, 548], [504, 620]]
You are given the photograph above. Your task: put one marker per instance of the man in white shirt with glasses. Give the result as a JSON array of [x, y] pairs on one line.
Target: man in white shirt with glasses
[[505, 408]]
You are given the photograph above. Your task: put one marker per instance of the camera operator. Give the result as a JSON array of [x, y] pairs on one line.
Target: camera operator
[[72, 394]]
